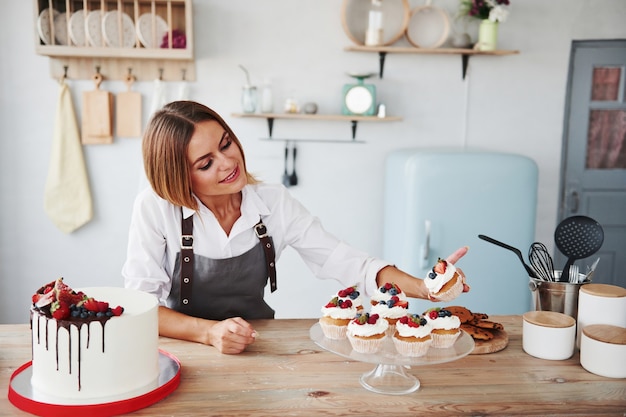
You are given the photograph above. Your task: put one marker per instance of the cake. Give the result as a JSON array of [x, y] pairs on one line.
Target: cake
[[336, 315], [444, 282], [385, 292], [412, 335], [352, 294], [391, 310], [366, 332], [84, 351], [446, 327]]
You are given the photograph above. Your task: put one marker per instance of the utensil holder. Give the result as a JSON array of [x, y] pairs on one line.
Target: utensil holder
[[560, 297]]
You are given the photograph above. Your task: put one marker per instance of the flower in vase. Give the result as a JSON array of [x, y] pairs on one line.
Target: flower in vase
[[494, 10]]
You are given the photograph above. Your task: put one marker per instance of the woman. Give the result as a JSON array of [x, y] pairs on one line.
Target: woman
[[205, 237]]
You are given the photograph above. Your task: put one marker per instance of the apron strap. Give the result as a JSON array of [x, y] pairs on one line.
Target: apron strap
[[186, 256]]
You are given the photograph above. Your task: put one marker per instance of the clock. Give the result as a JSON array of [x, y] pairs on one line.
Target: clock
[[359, 99]]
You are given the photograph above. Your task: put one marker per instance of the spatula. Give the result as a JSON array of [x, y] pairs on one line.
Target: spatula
[[516, 251], [286, 174]]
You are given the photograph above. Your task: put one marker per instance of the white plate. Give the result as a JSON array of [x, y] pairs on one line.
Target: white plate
[[77, 28], [93, 28], [111, 32], [144, 30], [43, 25], [60, 29]]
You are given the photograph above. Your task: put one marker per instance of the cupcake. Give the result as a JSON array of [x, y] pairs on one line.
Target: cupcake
[[352, 294], [385, 292], [443, 281], [366, 332], [336, 315], [446, 327], [391, 310], [412, 335]]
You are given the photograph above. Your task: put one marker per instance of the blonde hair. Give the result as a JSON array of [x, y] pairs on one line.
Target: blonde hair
[[164, 148]]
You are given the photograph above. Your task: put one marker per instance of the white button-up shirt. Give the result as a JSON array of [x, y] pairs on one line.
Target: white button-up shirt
[[155, 239]]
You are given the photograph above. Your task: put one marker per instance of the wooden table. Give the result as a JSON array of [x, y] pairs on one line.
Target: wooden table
[[285, 373]]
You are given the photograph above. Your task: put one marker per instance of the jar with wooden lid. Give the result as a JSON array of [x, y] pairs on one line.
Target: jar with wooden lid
[[603, 350], [548, 335], [601, 304]]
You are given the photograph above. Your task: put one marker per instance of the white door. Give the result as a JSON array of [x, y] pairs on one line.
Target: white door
[[594, 157]]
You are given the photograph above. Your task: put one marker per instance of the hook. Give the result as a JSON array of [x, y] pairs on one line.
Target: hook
[[184, 71], [65, 68], [130, 71], [161, 74], [98, 69]]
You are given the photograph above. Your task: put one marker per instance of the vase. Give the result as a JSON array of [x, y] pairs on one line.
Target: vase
[[487, 35]]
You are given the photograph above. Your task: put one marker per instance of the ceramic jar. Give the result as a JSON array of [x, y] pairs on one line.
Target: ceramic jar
[[601, 304], [548, 335]]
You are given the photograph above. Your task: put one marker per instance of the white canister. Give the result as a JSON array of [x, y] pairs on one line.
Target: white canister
[[601, 304], [548, 335], [603, 350]]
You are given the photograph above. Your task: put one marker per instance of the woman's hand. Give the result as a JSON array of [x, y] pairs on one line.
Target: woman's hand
[[454, 258], [231, 336]]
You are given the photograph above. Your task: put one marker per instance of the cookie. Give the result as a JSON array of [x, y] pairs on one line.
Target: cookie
[[487, 324], [479, 316], [464, 314], [476, 332]]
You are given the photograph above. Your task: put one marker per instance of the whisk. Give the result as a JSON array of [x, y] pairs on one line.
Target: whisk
[[541, 261]]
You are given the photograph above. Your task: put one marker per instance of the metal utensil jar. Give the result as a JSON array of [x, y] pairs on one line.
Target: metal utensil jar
[[561, 297]]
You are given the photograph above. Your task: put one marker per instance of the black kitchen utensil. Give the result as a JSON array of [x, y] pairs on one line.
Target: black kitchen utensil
[[541, 261], [293, 178], [529, 270], [577, 237], [286, 178]]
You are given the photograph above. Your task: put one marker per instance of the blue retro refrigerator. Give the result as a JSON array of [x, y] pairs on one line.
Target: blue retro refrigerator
[[439, 200]]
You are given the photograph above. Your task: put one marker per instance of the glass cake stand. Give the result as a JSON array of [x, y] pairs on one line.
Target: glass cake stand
[[389, 375]]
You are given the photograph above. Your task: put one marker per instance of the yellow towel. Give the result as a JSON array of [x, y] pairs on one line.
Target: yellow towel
[[67, 197]]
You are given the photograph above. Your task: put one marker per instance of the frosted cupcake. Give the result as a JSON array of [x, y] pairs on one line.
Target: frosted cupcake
[[367, 332], [445, 327], [412, 335], [443, 281], [336, 315], [385, 292], [391, 310], [352, 294]]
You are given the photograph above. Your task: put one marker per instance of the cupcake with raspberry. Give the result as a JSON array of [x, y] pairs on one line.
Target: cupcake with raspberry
[[446, 327], [412, 335], [391, 310], [385, 292], [366, 332], [336, 315], [352, 294], [444, 282]]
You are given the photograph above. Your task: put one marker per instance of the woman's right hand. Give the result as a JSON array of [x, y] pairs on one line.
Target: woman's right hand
[[231, 336]]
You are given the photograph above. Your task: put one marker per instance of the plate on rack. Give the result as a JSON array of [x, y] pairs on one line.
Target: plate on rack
[[144, 30], [429, 27], [93, 28], [77, 28], [43, 25], [117, 37], [60, 29]]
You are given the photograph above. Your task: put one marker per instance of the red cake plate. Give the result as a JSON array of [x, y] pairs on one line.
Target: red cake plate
[[26, 398]]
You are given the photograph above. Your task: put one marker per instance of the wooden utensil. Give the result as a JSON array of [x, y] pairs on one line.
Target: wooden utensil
[[128, 110], [97, 125]]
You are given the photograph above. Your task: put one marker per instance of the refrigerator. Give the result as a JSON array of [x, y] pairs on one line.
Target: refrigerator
[[439, 200]]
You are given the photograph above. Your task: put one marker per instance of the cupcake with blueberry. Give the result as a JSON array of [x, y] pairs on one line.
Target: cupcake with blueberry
[[391, 310], [352, 294], [446, 327], [385, 292], [336, 315], [444, 282], [412, 336], [366, 332]]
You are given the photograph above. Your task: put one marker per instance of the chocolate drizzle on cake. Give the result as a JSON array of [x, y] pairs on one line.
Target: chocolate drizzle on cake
[[76, 322]]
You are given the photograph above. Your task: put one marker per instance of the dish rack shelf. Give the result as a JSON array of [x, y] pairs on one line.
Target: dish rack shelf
[[150, 39]]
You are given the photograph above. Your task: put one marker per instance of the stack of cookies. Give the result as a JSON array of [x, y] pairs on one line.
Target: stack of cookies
[[476, 325]]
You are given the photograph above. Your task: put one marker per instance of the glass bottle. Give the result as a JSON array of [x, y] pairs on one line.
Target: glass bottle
[[374, 33]]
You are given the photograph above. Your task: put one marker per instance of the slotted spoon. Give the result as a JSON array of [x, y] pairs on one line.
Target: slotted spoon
[[577, 237]]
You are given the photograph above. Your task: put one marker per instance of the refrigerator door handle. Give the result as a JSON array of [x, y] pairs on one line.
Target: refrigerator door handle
[[426, 246]]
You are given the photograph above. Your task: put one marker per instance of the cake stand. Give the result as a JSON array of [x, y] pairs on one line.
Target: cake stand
[[389, 375]]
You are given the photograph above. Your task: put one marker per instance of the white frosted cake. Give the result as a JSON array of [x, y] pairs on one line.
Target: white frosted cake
[[97, 357]]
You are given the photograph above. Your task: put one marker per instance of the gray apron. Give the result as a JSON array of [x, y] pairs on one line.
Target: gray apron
[[218, 289]]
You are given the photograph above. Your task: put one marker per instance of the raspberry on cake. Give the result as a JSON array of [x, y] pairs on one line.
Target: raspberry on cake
[[385, 292], [353, 295], [391, 310], [412, 336], [445, 327], [336, 315], [443, 281]]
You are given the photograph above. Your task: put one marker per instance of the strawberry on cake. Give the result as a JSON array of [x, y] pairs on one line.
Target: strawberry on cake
[[412, 335], [352, 294], [391, 310], [444, 282]]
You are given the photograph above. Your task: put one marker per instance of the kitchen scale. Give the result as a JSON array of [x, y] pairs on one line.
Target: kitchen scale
[[389, 375]]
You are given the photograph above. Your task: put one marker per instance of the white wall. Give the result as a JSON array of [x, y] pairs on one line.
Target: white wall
[[514, 104]]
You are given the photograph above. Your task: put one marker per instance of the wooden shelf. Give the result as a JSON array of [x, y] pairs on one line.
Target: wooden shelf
[[270, 117], [464, 53], [82, 61]]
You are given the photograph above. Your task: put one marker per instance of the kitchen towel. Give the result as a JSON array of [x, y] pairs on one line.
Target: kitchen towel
[[67, 196]]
